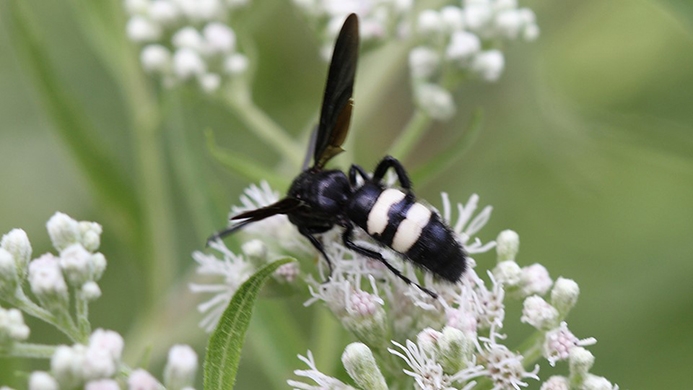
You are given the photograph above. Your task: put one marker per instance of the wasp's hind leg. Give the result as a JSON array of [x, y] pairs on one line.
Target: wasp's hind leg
[[391, 162], [347, 237], [308, 233]]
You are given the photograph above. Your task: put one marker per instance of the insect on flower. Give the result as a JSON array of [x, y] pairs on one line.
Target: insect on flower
[[319, 199]]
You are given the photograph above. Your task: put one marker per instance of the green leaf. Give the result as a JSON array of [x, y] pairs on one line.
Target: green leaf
[[226, 342], [69, 117]]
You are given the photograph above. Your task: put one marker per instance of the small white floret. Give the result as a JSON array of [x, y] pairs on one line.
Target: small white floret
[[210, 82], [219, 38], [155, 58], [40, 380], [188, 37], [452, 18], [142, 380], [463, 45], [63, 230], [187, 63], [164, 12], [236, 64], [142, 29], [429, 22], [489, 64], [435, 100], [181, 367], [423, 62]]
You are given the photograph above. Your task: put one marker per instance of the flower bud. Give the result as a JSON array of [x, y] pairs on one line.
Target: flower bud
[[435, 100], [63, 230], [556, 382], [141, 29], [209, 82], [91, 291], [535, 279], [423, 62], [452, 18], [564, 295], [507, 245], [538, 313], [463, 45], [47, 283], [180, 368], [255, 250], [102, 384], [456, 349], [155, 58], [219, 38], [508, 273], [40, 380], [75, 264], [12, 327], [287, 272], [163, 12], [109, 341], [9, 281], [594, 382], [188, 63], [581, 361], [235, 64], [365, 317], [360, 364], [98, 265], [67, 365], [489, 65], [17, 243], [142, 380], [90, 233], [429, 22], [427, 339]]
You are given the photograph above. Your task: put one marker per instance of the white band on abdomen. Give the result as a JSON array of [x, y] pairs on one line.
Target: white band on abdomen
[[377, 217], [409, 230]]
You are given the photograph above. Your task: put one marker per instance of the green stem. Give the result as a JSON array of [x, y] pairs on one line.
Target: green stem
[[157, 241], [418, 124], [29, 351], [239, 99], [82, 313], [326, 343], [530, 349], [62, 323]]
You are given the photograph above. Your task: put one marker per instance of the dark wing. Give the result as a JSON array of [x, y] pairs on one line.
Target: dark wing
[[282, 207], [336, 104]]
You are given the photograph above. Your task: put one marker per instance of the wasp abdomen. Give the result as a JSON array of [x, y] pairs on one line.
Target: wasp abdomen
[[395, 219]]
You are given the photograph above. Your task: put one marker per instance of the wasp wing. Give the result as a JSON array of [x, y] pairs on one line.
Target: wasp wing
[[337, 103], [281, 207]]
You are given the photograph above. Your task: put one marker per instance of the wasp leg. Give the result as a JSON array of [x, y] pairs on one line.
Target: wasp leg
[[357, 170], [347, 238], [308, 233], [391, 162]]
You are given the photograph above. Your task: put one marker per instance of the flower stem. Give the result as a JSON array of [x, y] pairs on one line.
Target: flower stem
[[30, 351], [82, 313], [63, 324], [239, 99], [531, 349], [418, 124]]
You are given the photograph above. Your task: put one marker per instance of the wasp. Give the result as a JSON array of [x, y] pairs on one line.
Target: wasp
[[320, 199]]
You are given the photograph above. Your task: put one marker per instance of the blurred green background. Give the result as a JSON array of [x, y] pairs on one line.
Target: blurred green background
[[586, 151]]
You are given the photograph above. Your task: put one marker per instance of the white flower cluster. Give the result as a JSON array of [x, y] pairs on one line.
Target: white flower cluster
[[463, 40], [380, 20], [234, 269], [377, 306], [186, 40], [78, 265], [97, 366], [92, 365]]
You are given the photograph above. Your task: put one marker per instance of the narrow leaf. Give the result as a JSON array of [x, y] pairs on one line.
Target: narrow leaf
[[69, 118], [226, 342]]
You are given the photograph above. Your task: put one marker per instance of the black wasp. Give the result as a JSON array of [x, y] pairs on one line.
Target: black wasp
[[320, 199]]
